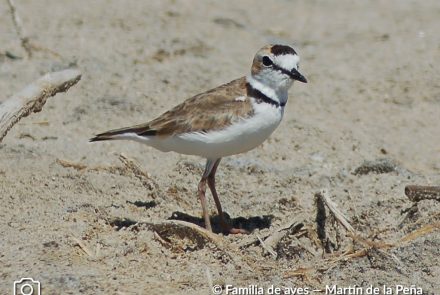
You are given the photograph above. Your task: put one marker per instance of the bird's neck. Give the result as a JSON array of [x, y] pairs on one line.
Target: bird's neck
[[275, 91]]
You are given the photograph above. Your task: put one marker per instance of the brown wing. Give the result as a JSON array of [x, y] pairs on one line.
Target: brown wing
[[212, 110]]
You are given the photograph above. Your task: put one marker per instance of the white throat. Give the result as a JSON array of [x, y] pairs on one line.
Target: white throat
[[275, 91]]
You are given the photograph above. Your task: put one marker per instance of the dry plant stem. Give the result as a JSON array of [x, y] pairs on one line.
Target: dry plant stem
[[271, 239], [19, 28], [143, 176], [83, 247], [293, 226], [98, 250], [32, 98], [424, 230], [268, 249], [68, 164], [130, 164], [209, 277], [129, 168], [367, 245], [82, 167], [179, 228], [324, 195], [416, 193], [161, 240]]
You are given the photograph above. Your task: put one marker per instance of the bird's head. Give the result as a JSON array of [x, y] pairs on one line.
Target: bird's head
[[277, 66]]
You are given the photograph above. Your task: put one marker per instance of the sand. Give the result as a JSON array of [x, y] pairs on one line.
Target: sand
[[373, 95]]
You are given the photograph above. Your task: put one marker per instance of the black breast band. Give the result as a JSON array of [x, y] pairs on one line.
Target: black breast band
[[261, 97]]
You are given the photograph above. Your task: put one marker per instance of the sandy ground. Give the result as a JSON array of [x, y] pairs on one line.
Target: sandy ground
[[373, 95]]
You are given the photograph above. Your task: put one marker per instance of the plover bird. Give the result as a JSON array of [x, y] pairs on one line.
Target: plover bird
[[230, 119]]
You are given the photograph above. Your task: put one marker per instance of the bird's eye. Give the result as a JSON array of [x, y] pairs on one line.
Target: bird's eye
[[267, 61]]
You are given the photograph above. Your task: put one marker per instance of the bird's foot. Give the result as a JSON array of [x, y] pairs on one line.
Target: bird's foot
[[229, 230], [234, 231]]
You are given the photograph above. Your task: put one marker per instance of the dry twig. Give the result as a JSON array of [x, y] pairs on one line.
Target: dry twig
[[27, 45], [161, 240], [294, 224], [69, 164], [424, 230], [33, 97], [200, 236], [83, 247], [184, 229], [83, 167], [368, 246], [271, 239], [265, 247], [143, 176], [24, 39], [324, 195], [209, 277]]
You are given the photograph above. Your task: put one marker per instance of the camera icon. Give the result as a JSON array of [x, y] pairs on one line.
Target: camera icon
[[27, 286]]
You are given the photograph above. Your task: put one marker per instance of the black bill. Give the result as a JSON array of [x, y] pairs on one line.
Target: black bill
[[295, 75]]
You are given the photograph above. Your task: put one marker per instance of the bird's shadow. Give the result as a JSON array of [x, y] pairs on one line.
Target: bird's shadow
[[249, 224]]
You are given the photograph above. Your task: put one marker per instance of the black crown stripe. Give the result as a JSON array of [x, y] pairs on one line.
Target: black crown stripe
[[282, 49]]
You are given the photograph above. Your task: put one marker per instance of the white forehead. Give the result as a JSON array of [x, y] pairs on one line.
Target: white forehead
[[287, 61]]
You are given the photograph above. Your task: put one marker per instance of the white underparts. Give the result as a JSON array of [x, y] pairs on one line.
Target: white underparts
[[242, 136]]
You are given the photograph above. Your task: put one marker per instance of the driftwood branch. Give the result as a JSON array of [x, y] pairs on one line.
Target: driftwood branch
[[33, 97]]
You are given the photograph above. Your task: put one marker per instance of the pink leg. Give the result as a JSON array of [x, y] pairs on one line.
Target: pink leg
[[226, 228], [202, 193], [202, 197]]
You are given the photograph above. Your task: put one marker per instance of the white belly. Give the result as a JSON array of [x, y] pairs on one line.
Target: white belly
[[237, 138]]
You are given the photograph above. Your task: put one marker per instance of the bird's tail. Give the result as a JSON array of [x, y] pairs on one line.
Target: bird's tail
[[125, 133], [102, 136]]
